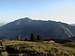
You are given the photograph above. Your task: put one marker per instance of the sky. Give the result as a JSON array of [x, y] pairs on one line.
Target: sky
[[56, 10]]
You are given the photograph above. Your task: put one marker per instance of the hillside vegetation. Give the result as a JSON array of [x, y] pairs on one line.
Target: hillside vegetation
[[45, 48]]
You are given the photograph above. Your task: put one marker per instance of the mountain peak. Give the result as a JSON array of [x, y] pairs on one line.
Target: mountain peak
[[25, 19]]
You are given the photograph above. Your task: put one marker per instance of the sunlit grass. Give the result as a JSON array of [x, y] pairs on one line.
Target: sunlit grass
[[55, 49]]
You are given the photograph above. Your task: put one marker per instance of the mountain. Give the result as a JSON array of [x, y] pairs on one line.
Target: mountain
[[73, 28], [25, 26]]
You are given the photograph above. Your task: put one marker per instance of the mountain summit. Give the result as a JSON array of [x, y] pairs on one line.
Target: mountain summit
[[25, 19], [25, 26]]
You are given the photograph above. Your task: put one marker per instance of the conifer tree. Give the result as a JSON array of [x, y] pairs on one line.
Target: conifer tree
[[18, 38], [39, 38], [33, 37]]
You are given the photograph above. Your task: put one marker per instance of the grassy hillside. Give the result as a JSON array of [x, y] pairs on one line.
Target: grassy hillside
[[45, 47]]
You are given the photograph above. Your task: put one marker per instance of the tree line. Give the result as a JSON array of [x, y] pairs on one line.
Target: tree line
[[33, 37]]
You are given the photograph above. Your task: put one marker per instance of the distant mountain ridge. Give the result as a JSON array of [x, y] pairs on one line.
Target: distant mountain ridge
[[25, 26]]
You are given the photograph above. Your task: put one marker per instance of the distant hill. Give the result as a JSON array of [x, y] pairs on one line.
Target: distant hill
[[25, 26]]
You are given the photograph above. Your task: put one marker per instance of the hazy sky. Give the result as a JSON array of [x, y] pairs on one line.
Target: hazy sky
[[57, 10]]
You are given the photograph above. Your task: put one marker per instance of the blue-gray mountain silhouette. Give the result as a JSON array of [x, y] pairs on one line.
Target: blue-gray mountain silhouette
[[25, 26]]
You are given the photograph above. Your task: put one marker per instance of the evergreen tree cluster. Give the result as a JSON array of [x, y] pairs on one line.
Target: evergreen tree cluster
[[35, 37]]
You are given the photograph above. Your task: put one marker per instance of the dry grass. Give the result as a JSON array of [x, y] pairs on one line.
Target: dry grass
[[43, 47]]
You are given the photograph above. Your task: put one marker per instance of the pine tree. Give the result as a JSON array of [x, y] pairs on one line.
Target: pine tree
[[33, 37], [18, 38], [39, 38], [25, 39]]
